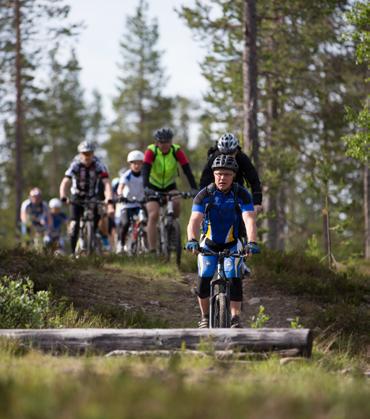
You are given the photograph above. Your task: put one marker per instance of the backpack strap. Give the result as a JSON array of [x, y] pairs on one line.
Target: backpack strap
[[210, 189]]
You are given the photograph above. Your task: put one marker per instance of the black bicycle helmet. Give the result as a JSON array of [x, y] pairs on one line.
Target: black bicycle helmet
[[163, 135], [227, 143], [224, 161], [86, 147]]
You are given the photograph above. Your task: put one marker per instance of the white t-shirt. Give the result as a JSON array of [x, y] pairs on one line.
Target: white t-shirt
[[134, 188]]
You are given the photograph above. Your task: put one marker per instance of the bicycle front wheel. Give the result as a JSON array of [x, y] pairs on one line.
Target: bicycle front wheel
[[223, 310], [90, 237], [174, 240]]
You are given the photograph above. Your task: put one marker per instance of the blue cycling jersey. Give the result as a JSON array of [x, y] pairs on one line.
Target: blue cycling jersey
[[222, 213], [57, 222]]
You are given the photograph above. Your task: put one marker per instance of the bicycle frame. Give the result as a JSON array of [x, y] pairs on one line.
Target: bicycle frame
[[220, 286], [87, 229], [168, 225]]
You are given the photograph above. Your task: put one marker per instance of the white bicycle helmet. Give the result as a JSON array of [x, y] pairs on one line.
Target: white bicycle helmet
[[135, 155], [35, 192], [227, 143], [55, 203]]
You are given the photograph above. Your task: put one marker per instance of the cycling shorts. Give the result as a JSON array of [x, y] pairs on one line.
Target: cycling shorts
[[207, 265]]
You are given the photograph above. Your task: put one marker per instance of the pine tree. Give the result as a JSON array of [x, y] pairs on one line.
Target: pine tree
[[28, 28], [140, 105]]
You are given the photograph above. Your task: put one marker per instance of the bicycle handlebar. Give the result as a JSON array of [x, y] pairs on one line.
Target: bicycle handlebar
[[157, 194], [122, 199], [86, 202], [224, 253]]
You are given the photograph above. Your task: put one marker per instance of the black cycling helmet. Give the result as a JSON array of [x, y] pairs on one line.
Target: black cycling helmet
[[86, 147], [164, 135], [227, 143], [224, 161]]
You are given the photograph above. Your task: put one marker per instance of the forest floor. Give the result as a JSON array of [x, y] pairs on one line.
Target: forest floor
[[333, 384]]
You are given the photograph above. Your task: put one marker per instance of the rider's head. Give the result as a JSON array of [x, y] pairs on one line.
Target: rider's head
[[55, 205], [35, 195], [228, 143], [86, 150], [224, 170], [163, 139], [135, 158]]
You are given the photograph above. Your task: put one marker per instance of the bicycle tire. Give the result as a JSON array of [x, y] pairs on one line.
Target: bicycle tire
[[174, 239], [90, 239], [224, 316], [163, 242], [142, 242]]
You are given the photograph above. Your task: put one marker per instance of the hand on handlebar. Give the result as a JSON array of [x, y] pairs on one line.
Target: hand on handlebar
[[252, 248], [65, 200], [192, 246], [148, 191]]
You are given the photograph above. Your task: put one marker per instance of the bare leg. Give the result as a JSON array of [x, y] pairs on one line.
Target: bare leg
[[235, 307], [153, 215], [204, 306], [176, 205]]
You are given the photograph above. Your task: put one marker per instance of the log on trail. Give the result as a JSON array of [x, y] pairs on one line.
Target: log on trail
[[76, 341]]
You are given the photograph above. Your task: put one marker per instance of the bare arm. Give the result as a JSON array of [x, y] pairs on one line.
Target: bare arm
[[195, 222], [121, 186], [24, 217], [64, 187], [107, 189], [249, 219]]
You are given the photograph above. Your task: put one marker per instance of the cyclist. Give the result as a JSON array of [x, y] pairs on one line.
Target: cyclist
[[82, 178], [220, 208], [35, 216], [130, 186], [58, 219], [159, 174], [229, 144]]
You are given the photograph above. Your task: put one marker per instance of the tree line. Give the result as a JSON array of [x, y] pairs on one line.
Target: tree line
[[288, 78]]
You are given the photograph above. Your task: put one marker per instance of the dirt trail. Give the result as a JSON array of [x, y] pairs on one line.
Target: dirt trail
[[172, 300]]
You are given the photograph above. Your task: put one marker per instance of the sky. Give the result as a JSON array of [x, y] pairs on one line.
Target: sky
[[98, 46]]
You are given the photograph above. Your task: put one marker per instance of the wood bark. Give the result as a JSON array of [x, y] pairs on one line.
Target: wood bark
[[108, 340], [367, 210], [19, 115], [250, 132]]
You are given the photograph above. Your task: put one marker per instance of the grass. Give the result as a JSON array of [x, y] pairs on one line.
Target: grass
[[335, 300], [57, 274], [33, 385]]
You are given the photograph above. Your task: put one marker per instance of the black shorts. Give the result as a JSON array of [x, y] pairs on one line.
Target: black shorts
[[169, 188]]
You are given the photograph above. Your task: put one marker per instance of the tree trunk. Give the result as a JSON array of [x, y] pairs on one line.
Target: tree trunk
[[281, 217], [367, 210], [273, 189], [251, 144], [19, 116], [108, 340], [326, 231]]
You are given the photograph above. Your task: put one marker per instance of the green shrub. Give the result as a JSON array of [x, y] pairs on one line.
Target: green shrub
[[20, 305]]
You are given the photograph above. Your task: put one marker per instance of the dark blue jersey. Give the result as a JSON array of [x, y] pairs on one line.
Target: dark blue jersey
[[222, 213]]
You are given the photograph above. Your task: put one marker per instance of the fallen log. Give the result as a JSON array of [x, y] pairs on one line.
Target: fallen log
[[75, 341]]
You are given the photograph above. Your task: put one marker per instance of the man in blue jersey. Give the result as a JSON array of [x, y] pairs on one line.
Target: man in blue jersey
[[219, 209]]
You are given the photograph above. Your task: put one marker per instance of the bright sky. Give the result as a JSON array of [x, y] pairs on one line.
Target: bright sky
[[98, 46]]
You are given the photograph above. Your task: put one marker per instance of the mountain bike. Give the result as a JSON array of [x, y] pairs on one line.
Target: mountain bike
[[36, 233], [88, 242], [219, 301], [169, 231], [136, 238]]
